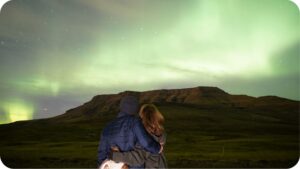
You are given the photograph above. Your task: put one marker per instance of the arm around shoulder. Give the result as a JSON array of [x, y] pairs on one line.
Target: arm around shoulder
[[145, 140]]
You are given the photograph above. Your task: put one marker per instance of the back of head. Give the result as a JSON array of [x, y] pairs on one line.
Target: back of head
[[129, 105], [152, 119]]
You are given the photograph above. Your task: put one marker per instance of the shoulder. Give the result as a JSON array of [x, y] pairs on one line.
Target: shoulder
[[137, 121], [121, 122], [132, 119]]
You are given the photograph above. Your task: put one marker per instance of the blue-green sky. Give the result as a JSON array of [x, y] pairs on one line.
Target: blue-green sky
[[58, 54]]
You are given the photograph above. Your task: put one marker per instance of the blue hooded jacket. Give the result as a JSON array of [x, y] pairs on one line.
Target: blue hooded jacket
[[125, 132]]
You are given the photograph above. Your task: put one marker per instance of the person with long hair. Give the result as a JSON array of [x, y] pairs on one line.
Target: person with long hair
[[153, 121]]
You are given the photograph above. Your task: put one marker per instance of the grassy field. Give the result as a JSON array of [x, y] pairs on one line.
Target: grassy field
[[199, 138]]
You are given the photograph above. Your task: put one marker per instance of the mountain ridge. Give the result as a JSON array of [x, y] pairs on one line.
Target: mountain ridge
[[201, 97]]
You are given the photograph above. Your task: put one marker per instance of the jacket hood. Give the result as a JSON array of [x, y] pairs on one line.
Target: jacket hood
[[129, 105]]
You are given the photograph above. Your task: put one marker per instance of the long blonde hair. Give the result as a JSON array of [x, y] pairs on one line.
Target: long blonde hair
[[152, 119]]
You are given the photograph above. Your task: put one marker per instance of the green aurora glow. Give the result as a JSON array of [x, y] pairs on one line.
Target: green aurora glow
[[71, 50]]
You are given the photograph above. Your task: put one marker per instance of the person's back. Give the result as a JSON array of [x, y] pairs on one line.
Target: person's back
[[153, 122], [125, 132]]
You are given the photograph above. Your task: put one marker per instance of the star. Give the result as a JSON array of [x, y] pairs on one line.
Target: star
[[2, 42]]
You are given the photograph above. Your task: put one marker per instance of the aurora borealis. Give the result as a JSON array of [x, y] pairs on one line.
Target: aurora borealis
[[58, 54]]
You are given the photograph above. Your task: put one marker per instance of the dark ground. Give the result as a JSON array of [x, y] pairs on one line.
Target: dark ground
[[199, 138]]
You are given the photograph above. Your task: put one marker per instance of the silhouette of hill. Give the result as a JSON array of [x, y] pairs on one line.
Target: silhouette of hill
[[201, 97]]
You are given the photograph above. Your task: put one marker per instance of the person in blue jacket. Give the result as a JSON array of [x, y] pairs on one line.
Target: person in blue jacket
[[125, 132]]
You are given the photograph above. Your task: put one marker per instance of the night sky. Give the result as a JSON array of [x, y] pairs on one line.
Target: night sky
[[58, 54]]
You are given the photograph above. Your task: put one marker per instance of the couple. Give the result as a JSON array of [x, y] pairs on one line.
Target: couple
[[136, 142]]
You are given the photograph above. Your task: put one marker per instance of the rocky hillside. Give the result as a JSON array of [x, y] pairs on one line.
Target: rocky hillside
[[202, 97]]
